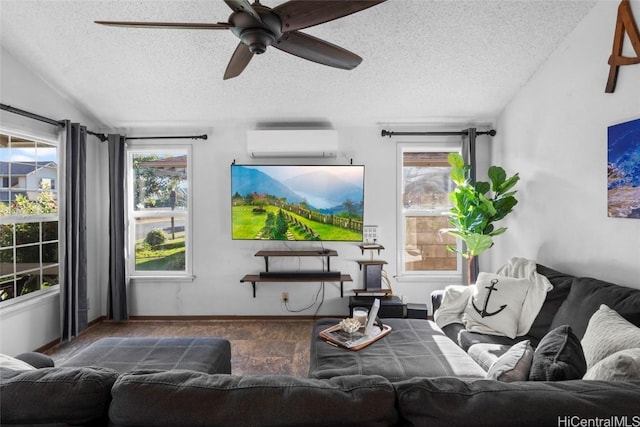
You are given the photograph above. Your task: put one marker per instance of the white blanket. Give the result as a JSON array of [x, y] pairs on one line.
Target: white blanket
[[457, 299]]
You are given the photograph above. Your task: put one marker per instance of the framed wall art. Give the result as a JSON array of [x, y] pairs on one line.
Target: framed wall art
[[623, 170]]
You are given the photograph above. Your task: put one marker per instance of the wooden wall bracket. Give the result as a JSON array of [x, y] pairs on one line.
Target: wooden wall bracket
[[625, 24]]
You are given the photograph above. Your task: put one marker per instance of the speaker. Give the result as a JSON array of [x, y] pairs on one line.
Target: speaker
[[373, 276]]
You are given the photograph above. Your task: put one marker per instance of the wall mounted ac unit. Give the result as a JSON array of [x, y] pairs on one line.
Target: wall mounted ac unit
[[282, 143]]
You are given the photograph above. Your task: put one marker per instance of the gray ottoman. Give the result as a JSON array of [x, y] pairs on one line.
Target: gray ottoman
[[414, 348], [209, 355]]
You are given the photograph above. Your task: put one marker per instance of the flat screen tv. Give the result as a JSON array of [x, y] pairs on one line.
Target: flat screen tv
[[286, 202]]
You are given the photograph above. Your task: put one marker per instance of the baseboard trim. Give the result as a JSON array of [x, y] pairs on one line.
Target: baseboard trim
[[57, 341], [228, 317]]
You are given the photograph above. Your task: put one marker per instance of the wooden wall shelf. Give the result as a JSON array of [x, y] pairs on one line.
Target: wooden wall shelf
[[323, 253], [305, 276], [255, 278]]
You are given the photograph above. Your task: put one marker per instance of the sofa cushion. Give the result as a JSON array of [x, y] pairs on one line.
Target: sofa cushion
[[514, 365], [414, 347], [555, 297], [10, 362], [485, 354], [190, 398], [202, 354], [465, 339], [558, 357], [496, 304], [585, 298], [608, 333], [455, 402], [55, 396], [621, 366]]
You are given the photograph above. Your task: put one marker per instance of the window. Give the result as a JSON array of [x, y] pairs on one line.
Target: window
[[158, 211], [425, 184], [28, 216]]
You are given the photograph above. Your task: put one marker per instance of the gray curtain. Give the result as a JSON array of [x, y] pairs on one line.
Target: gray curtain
[[469, 156], [73, 240], [117, 293]]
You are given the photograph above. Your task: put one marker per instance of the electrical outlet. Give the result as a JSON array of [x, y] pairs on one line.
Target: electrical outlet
[[285, 297]]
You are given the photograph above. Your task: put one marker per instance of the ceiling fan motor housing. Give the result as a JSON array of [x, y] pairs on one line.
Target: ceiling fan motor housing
[[257, 35], [258, 39]]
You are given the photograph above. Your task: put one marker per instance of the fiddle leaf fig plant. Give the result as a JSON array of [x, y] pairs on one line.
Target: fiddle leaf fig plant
[[477, 207]]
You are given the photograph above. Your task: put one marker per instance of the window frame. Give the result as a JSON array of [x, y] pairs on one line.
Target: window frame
[[402, 213], [150, 147], [39, 218]]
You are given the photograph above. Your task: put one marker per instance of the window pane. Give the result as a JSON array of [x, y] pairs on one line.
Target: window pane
[[6, 261], [426, 184], [49, 253], [160, 244], [27, 233], [7, 288], [29, 170], [49, 231], [425, 247], [160, 181], [50, 276], [6, 235], [27, 258], [28, 283], [427, 181]]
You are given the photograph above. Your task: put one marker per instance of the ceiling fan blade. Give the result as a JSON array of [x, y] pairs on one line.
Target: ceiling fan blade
[[317, 50], [243, 6], [299, 14], [173, 25], [239, 61]]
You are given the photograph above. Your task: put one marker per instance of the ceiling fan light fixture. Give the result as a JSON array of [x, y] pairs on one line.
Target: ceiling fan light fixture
[[258, 39]]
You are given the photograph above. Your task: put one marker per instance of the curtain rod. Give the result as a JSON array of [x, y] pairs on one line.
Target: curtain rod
[[31, 115], [102, 137], [169, 137], [389, 133]]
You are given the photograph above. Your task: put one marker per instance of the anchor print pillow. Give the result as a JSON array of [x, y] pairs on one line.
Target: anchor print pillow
[[496, 304]]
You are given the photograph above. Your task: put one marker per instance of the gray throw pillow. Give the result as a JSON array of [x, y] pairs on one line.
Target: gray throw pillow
[[621, 366], [607, 333], [514, 365], [587, 295], [558, 357]]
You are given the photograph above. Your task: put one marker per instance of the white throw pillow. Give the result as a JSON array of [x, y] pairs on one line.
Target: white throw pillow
[[496, 305], [607, 333], [621, 366], [13, 363], [514, 365]]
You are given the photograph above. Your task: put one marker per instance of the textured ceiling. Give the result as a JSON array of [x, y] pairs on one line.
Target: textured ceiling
[[423, 61]]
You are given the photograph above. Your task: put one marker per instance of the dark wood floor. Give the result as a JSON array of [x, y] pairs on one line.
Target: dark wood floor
[[261, 346]]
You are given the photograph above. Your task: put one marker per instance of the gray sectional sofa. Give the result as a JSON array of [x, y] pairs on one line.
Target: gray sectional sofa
[[98, 396]]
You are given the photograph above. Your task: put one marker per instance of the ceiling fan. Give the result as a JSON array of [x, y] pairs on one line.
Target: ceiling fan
[[259, 27]]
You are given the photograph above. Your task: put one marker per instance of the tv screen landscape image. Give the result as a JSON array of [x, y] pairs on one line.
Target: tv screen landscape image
[[287, 202]]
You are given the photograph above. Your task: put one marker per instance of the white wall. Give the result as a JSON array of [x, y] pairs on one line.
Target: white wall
[[220, 263], [554, 133], [29, 326]]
